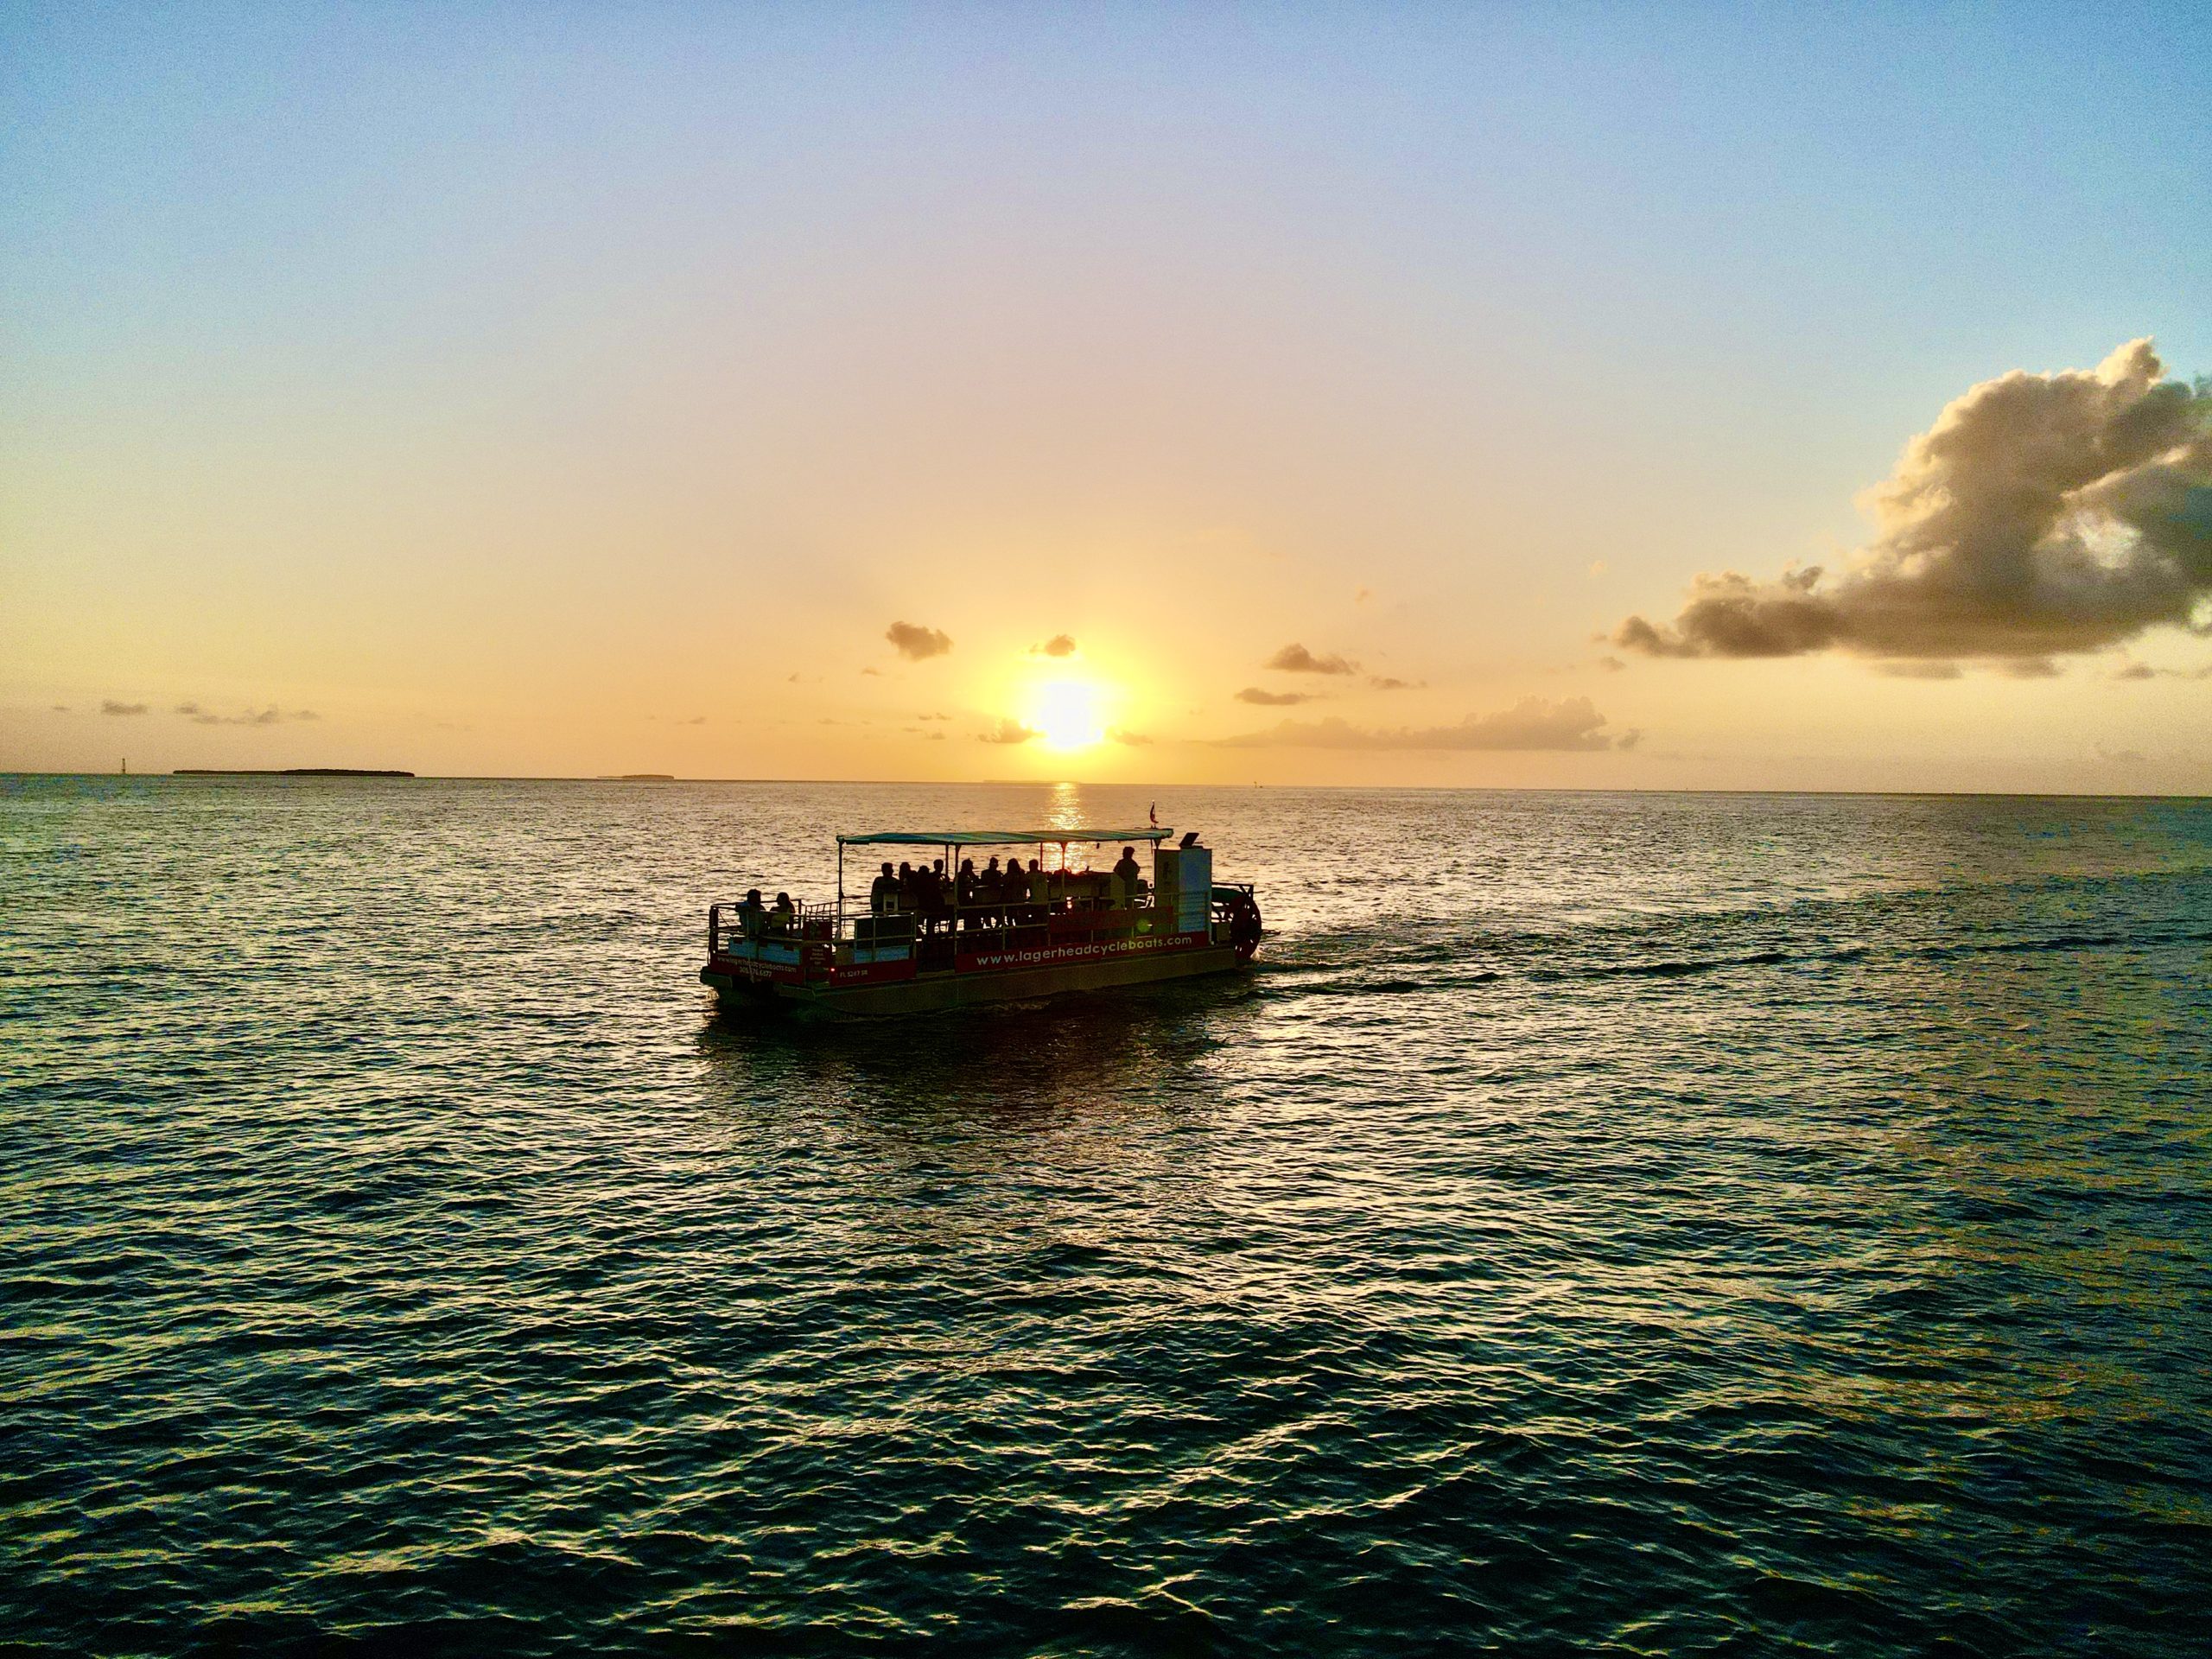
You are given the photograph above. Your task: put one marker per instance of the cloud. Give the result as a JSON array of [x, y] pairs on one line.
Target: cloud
[[1531, 723], [60, 708], [932, 716], [1612, 665], [872, 673], [1296, 659], [2145, 671], [1009, 730], [1388, 682], [1059, 645], [2031, 668], [1135, 739], [110, 706], [1906, 669], [695, 719], [914, 641], [271, 716], [1273, 699], [2041, 514]]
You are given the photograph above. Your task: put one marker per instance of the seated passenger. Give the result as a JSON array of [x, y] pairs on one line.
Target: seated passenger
[[883, 893], [1040, 885], [784, 916]]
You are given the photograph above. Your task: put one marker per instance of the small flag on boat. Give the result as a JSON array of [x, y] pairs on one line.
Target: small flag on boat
[[1152, 812]]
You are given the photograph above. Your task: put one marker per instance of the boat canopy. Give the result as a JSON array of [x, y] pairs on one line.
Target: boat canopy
[[999, 837]]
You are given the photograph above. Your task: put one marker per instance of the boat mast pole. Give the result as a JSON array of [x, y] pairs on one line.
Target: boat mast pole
[[839, 925]]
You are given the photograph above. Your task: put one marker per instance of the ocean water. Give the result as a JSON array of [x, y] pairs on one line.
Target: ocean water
[[1647, 1223]]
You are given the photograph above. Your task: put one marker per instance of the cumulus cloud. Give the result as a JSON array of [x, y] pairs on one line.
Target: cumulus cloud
[[1294, 658], [110, 706], [1268, 699], [2041, 514], [1531, 723], [913, 641], [1391, 682], [1059, 645], [1009, 730]]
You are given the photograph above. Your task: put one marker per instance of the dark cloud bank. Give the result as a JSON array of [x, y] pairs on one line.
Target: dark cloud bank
[[2041, 514], [1532, 723]]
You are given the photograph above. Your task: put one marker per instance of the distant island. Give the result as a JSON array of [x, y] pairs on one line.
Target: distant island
[[637, 777], [285, 771]]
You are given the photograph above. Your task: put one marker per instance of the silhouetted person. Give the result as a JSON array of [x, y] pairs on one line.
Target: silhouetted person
[[751, 914], [783, 917], [1126, 871], [883, 893]]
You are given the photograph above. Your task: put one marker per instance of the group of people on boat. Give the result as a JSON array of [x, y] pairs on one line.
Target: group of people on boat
[[996, 895]]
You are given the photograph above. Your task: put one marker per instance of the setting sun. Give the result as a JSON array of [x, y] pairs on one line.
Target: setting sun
[[1067, 714]]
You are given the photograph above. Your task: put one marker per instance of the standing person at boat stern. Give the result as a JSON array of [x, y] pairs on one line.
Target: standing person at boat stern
[[1127, 868]]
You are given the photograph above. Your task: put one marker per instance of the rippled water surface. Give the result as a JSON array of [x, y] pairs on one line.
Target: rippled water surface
[[1636, 1222]]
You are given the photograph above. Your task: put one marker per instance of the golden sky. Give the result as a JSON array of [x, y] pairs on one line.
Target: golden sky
[[1287, 401]]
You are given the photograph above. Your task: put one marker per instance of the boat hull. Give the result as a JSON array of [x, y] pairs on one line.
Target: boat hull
[[928, 993]]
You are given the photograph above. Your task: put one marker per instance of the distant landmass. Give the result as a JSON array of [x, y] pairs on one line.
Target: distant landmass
[[285, 771], [638, 778]]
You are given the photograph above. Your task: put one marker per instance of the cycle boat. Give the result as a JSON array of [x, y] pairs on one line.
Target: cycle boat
[[926, 947]]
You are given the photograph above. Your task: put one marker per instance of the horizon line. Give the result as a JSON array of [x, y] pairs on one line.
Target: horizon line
[[1032, 783]]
